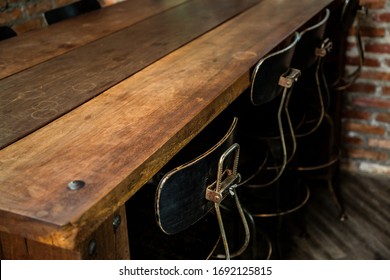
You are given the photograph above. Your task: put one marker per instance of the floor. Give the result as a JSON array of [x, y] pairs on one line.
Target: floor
[[364, 235]]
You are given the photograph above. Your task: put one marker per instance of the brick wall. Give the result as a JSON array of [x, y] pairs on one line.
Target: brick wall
[[366, 116], [26, 15]]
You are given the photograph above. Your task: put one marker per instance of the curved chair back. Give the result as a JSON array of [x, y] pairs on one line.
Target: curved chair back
[[181, 194], [6, 32], [348, 14], [71, 10], [188, 192], [267, 72], [311, 39]]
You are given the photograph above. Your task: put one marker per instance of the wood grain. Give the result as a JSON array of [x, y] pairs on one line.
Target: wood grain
[[24, 51], [363, 236], [110, 243], [117, 141], [57, 86]]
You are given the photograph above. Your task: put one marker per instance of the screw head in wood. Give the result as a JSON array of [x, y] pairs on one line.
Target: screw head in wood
[[76, 185]]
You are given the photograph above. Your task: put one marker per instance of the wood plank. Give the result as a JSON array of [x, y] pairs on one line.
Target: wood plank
[[15, 247], [107, 242], [29, 49], [57, 86], [117, 141]]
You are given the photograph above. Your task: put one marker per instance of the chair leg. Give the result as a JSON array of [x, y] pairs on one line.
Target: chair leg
[[243, 219], [336, 196], [223, 233]]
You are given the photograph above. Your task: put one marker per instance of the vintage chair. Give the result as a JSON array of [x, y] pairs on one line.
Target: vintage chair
[[311, 98], [264, 113], [318, 154], [266, 124], [190, 192], [71, 10], [351, 12], [6, 32]]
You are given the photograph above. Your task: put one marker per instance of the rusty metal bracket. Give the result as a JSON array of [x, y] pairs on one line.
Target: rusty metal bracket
[[226, 178], [288, 80], [325, 48]]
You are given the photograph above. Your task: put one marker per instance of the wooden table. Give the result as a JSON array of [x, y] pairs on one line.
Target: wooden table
[[145, 83]]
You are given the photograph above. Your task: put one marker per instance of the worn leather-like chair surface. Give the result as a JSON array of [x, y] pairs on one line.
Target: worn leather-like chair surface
[[265, 78], [311, 38], [180, 196]]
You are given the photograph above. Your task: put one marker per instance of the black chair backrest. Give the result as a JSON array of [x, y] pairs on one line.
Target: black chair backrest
[[311, 38], [180, 197], [266, 74], [348, 14], [71, 10], [6, 32]]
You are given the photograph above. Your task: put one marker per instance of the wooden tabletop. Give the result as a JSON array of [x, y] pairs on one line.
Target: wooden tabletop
[[22, 52], [56, 86], [118, 140]]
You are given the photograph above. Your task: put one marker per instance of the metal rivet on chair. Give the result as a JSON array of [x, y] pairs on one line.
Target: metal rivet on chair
[[76, 185]]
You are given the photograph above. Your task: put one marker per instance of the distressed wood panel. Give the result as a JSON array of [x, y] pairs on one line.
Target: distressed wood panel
[[57, 86], [32, 48]]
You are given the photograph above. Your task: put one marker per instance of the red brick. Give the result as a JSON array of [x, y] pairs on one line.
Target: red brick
[[386, 90], [372, 102], [366, 154], [373, 4], [375, 75], [377, 48], [362, 88], [383, 117], [384, 17], [364, 128], [354, 114], [380, 143], [371, 62], [369, 31], [353, 140]]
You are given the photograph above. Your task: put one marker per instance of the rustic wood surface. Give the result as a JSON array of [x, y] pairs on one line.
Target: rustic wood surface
[[57, 86], [106, 242], [32, 48], [117, 141]]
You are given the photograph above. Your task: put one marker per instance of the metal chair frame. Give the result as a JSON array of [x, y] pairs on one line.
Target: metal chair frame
[[226, 182]]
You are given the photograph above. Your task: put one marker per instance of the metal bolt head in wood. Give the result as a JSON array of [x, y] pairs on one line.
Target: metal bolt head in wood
[[76, 185]]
